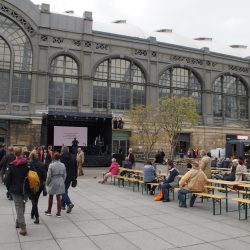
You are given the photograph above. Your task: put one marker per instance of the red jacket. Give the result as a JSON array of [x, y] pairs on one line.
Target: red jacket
[[114, 168]]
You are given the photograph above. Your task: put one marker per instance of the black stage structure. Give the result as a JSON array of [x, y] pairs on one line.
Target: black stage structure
[[96, 154]]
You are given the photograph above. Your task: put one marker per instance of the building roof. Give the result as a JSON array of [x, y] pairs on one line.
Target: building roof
[[170, 37]]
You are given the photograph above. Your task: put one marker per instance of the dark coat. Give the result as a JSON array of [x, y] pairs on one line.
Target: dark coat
[[16, 173], [8, 158], [40, 168], [172, 177], [71, 166]]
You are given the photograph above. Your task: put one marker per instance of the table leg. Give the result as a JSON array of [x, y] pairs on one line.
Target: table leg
[[226, 198]]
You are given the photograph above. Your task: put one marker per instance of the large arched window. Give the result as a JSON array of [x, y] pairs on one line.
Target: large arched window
[[182, 82], [63, 82], [13, 39], [5, 63], [230, 98], [118, 84]]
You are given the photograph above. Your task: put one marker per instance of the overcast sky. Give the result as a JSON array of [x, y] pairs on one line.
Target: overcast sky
[[226, 21]]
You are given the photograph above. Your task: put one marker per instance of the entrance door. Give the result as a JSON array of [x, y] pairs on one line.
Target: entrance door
[[183, 145], [120, 146]]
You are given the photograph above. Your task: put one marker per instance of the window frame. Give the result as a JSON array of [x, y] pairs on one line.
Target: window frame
[[122, 76]]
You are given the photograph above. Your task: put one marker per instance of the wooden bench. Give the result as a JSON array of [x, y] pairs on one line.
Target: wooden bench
[[215, 188], [242, 203], [144, 185], [215, 198], [129, 180]]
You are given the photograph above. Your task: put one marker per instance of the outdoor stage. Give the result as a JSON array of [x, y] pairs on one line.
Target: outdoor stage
[[98, 125]]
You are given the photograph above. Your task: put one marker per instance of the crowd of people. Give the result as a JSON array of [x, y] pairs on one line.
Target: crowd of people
[[56, 172], [194, 181]]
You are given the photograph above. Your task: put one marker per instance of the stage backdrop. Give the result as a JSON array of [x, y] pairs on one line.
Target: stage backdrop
[[65, 135]]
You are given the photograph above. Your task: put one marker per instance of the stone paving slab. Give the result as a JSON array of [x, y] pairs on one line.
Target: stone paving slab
[[111, 217]]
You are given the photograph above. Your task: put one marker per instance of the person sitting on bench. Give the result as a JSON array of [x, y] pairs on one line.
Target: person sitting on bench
[[193, 181], [170, 181], [113, 170], [149, 176]]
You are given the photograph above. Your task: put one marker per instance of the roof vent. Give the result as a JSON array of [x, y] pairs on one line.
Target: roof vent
[[237, 46], [69, 11], [165, 30], [203, 39], [120, 21]]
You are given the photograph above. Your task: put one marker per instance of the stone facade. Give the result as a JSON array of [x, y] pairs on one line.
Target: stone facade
[[51, 35]]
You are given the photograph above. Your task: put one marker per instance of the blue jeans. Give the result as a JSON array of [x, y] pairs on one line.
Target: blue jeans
[[182, 198], [165, 189], [65, 198]]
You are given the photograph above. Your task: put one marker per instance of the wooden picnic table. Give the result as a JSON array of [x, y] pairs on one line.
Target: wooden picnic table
[[227, 184]]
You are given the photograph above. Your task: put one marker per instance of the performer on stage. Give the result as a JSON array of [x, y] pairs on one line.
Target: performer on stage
[[74, 146]]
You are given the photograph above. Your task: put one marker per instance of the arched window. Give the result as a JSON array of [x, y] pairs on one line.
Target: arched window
[[182, 82], [230, 98], [63, 82], [20, 45], [5, 63], [118, 84]]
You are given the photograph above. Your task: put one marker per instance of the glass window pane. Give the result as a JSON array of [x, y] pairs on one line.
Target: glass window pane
[[217, 104], [4, 86], [21, 88], [229, 85], [125, 80], [120, 96], [138, 95], [243, 107], [230, 105], [63, 90], [100, 95]]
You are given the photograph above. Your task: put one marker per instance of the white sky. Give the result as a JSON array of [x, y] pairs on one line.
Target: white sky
[[226, 21]]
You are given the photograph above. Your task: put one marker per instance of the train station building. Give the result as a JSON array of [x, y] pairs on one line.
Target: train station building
[[68, 65]]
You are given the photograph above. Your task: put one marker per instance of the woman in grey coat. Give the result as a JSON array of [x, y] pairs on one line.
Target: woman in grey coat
[[55, 183]]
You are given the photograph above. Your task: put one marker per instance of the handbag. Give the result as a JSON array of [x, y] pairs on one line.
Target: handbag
[[74, 183], [159, 196]]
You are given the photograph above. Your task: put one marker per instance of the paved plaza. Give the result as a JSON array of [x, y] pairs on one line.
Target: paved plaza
[[111, 217]]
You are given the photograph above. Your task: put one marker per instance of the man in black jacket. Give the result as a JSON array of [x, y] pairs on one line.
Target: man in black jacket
[[71, 170], [8, 158], [16, 173], [170, 181]]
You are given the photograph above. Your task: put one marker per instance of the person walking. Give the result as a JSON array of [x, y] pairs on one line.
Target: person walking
[[80, 161], [55, 183], [9, 157], [37, 166], [205, 164], [15, 176], [71, 170]]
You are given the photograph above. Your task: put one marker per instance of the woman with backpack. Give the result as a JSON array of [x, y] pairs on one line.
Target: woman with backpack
[[40, 169]]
